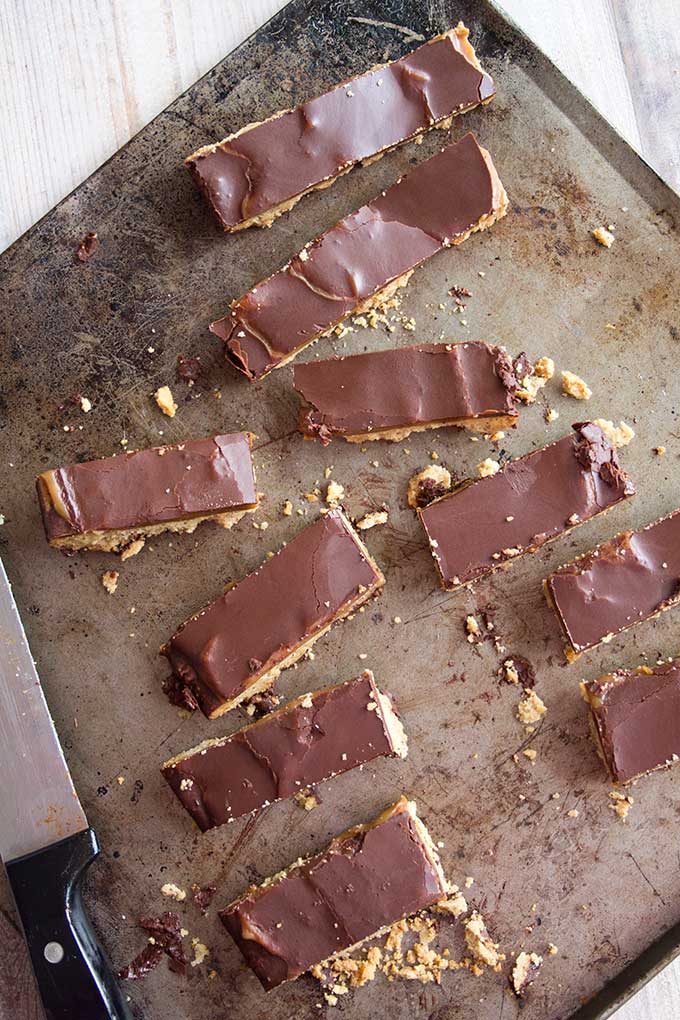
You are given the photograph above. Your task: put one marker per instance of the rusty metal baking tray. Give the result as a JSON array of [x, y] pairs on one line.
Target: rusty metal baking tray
[[111, 329]]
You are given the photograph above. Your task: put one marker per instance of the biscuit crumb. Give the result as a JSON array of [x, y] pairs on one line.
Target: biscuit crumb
[[472, 628], [372, 519], [618, 437], [132, 549], [552, 949], [603, 236], [478, 940], [551, 415], [659, 450], [488, 467], [165, 400], [510, 672], [533, 377], [574, 386], [201, 951], [120, 780], [85, 405], [527, 966], [531, 708], [306, 800], [573, 813], [622, 804], [529, 753], [334, 493], [110, 580], [427, 485], [173, 891], [287, 508], [454, 904]]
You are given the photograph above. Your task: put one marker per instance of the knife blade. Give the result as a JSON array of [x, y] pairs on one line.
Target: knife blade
[[45, 841]]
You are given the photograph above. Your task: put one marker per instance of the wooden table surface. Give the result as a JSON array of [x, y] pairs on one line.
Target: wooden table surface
[[79, 77]]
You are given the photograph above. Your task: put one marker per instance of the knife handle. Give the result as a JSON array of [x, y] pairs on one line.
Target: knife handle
[[74, 978]]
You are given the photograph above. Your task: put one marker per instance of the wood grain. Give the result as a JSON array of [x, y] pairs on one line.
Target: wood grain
[[79, 77]]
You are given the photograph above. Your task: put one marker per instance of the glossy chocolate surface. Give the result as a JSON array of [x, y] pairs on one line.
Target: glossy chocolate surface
[[618, 584], [369, 877], [222, 650], [267, 164], [165, 483], [404, 386], [435, 205], [529, 502], [315, 737], [636, 714]]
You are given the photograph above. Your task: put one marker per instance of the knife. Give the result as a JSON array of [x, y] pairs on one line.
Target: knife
[[45, 842]]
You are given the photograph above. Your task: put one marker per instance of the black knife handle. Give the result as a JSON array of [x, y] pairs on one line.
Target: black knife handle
[[74, 978]]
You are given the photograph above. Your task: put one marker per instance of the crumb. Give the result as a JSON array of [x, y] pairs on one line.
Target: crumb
[[85, 405], [186, 784], [120, 780], [529, 753], [510, 672], [110, 580], [551, 415], [574, 386], [370, 520], [484, 950], [164, 398], [532, 378], [488, 467], [573, 813], [287, 508], [334, 493], [87, 247], [659, 450], [618, 437], [397, 619], [174, 891], [603, 236], [454, 904], [527, 966], [200, 952], [427, 485], [306, 800], [132, 549], [622, 803], [552, 949], [472, 628], [531, 708], [188, 369], [165, 937]]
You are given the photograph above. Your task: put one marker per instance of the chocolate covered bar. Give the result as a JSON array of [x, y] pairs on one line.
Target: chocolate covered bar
[[107, 504], [632, 577], [364, 258], [369, 877], [237, 646], [264, 169], [635, 719], [488, 522], [315, 737], [389, 394]]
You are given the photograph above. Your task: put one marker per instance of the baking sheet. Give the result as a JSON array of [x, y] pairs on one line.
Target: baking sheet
[[112, 329]]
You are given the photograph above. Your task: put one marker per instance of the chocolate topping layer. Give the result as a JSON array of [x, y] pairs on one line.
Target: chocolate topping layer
[[265, 165], [628, 579], [529, 502], [313, 738], [406, 386], [636, 718], [369, 877], [438, 204], [222, 652], [165, 483]]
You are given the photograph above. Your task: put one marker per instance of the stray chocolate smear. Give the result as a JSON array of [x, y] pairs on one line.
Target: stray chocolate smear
[[87, 247], [179, 694], [188, 369], [526, 674], [166, 933], [137, 791], [203, 896]]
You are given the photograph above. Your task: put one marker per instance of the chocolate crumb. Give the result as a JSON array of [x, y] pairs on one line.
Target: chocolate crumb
[[188, 369], [179, 693], [166, 932], [262, 704], [203, 896], [87, 247], [254, 665]]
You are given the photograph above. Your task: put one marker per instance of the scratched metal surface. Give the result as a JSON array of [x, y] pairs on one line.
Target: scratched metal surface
[[112, 330]]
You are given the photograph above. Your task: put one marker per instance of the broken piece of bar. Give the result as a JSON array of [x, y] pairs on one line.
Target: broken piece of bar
[[237, 646], [369, 877], [635, 719], [486, 523], [256, 174], [632, 577], [389, 394], [107, 504], [364, 258], [315, 737]]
